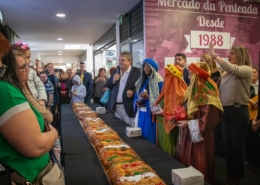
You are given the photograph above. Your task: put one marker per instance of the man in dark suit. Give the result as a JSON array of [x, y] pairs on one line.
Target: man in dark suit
[[86, 79], [180, 59], [122, 85]]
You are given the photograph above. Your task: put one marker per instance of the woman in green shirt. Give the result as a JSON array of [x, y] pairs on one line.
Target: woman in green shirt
[[22, 139]]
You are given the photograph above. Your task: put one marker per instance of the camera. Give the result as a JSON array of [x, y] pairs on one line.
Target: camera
[[141, 102]]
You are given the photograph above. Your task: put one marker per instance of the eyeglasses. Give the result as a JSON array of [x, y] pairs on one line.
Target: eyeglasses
[[2, 70], [22, 46], [24, 67]]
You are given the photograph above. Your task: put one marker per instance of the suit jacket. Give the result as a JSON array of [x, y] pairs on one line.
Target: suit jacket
[[186, 76], [130, 85]]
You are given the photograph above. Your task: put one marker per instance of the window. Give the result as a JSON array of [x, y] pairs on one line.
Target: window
[[138, 53]]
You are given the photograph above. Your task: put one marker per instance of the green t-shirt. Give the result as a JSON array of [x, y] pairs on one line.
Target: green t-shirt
[[12, 101]]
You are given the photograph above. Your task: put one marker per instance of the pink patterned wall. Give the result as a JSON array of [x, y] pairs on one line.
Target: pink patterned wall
[[187, 26]]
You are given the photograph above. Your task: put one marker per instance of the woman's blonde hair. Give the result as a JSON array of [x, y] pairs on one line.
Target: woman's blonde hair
[[211, 63], [242, 55]]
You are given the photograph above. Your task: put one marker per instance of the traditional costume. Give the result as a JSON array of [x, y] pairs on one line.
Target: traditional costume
[[171, 96], [195, 145], [153, 85]]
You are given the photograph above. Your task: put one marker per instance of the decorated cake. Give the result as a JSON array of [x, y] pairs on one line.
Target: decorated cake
[[121, 163]]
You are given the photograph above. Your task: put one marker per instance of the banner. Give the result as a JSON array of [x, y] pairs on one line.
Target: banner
[[188, 26], [110, 56]]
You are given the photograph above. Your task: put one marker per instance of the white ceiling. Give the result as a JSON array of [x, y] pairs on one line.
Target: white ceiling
[[35, 22]]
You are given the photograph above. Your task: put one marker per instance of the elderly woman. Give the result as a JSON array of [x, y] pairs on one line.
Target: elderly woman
[[234, 94], [22, 138], [148, 88], [195, 145]]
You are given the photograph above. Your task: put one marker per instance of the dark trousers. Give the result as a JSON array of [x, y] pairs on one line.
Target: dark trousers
[[97, 99], [87, 99], [234, 126], [252, 145]]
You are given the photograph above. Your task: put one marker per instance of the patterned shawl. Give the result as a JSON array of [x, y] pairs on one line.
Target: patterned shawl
[[201, 91], [154, 79]]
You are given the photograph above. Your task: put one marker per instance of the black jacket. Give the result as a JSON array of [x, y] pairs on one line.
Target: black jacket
[[186, 76], [130, 85]]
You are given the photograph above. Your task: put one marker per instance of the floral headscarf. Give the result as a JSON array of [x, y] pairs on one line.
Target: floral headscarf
[[202, 89]]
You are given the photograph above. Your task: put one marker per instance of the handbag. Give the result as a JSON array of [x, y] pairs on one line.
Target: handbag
[[50, 175], [105, 98]]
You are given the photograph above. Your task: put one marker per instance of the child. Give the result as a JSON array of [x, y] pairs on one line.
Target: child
[[78, 90]]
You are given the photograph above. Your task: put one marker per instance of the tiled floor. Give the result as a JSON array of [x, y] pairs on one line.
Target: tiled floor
[[252, 173]]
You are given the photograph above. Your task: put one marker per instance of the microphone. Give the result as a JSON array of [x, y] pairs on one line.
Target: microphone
[[118, 70]]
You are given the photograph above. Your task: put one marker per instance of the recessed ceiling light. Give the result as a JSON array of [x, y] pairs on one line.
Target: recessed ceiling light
[[59, 51], [60, 15], [59, 38]]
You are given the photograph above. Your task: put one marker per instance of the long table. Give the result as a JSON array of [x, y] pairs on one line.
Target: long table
[[82, 165]]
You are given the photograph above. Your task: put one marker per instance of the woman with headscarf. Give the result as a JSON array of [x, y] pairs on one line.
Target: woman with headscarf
[[171, 96], [195, 145], [148, 88]]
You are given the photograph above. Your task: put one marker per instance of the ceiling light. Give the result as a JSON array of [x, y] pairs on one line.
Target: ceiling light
[[72, 46], [60, 54], [59, 38], [60, 15], [59, 51], [68, 64]]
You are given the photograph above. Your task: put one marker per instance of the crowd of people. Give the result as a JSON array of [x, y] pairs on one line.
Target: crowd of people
[[179, 112]]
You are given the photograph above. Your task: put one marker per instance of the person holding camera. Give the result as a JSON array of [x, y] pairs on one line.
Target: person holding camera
[[148, 88], [234, 94]]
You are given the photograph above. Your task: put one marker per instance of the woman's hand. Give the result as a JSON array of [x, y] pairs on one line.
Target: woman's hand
[[103, 79], [182, 124], [255, 125], [254, 104], [144, 95], [160, 112], [210, 51]]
